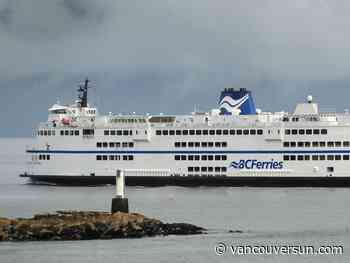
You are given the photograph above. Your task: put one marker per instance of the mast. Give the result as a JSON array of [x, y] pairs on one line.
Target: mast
[[83, 93]]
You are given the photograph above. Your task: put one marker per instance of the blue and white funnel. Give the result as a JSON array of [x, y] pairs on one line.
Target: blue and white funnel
[[231, 100]]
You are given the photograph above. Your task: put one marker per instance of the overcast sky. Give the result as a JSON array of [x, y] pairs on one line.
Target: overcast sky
[[170, 55]]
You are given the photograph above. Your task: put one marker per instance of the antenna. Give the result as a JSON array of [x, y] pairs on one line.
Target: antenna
[[83, 93]]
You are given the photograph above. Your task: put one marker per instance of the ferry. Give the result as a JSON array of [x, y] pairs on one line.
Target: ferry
[[235, 144]]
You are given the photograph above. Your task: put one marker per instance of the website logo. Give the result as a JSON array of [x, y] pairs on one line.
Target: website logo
[[255, 164]]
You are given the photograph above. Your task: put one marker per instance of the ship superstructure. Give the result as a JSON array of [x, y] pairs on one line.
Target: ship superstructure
[[235, 144]]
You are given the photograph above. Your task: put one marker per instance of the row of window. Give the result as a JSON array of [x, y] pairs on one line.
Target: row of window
[[46, 133], [206, 169], [44, 157], [305, 131], [210, 132], [114, 157], [317, 144], [330, 157], [200, 157], [114, 144], [117, 132], [69, 132], [200, 144]]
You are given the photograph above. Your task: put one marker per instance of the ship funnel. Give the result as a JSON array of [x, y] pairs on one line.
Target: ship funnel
[[232, 100]]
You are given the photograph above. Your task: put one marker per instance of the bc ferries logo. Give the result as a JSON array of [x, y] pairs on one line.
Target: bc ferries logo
[[255, 164]]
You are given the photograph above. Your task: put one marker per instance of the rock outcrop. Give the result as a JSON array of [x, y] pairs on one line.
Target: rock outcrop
[[78, 225]]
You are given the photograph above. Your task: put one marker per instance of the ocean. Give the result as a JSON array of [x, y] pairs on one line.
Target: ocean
[[288, 218]]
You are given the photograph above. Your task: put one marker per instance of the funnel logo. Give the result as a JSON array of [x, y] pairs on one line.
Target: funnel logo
[[255, 164]]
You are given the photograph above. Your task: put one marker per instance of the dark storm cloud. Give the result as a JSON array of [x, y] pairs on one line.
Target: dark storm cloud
[[189, 49]]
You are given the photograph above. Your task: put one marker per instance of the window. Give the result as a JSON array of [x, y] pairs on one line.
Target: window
[[260, 132], [225, 132], [337, 157], [324, 131], [178, 132], [190, 169], [224, 144], [308, 131], [111, 157], [292, 157], [119, 133], [112, 132], [106, 132], [300, 157], [346, 157], [210, 157], [196, 157], [76, 133], [315, 157], [245, 132], [285, 157], [88, 132], [190, 157], [330, 144], [204, 157], [217, 144], [126, 132], [217, 157], [346, 143], [210, 144], [314, 144], [185, 132], [337, 144], [223, 169], [111, 145], [203, 169], [316, 131], [66, 133], [239, 132], [98, 157], [223, 157], [196, 169], [45, 132], [294, 132], [307, 157], [117, 144], [125, 157], [285, 144], [217, 169], [192, 132], [49, 133], [232, 132], [293, 144], [330, 169], [165, 132], [307, 144], [300, 144], [130, 157], [210, 169], [218, 132], [71, 133], [205, 132], [322, 144], [158, 132], [191, 144], [183, 158], [177, 144], [183, 144], [131, 144], [124, 144], [204, 144], [252, 132], [104, 157], [198, 132], [48, 157], [322, 157], [301, 132], [287, 132], [105, 145], [98, 145], [330, 157]]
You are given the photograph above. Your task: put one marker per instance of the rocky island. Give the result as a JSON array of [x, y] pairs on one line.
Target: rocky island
[[82, 225]]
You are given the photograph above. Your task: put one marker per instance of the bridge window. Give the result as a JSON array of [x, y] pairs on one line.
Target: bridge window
[[119, 133], [185, 132], [126, 132], [131, 144], [183, 158], [223, 157], [112, 132], [190, 157], [104, 157], [124, 144], [217, 157], [197, 144], [217, 144]]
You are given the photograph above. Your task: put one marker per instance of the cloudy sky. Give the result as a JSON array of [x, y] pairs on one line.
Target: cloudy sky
[[170, 55]]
